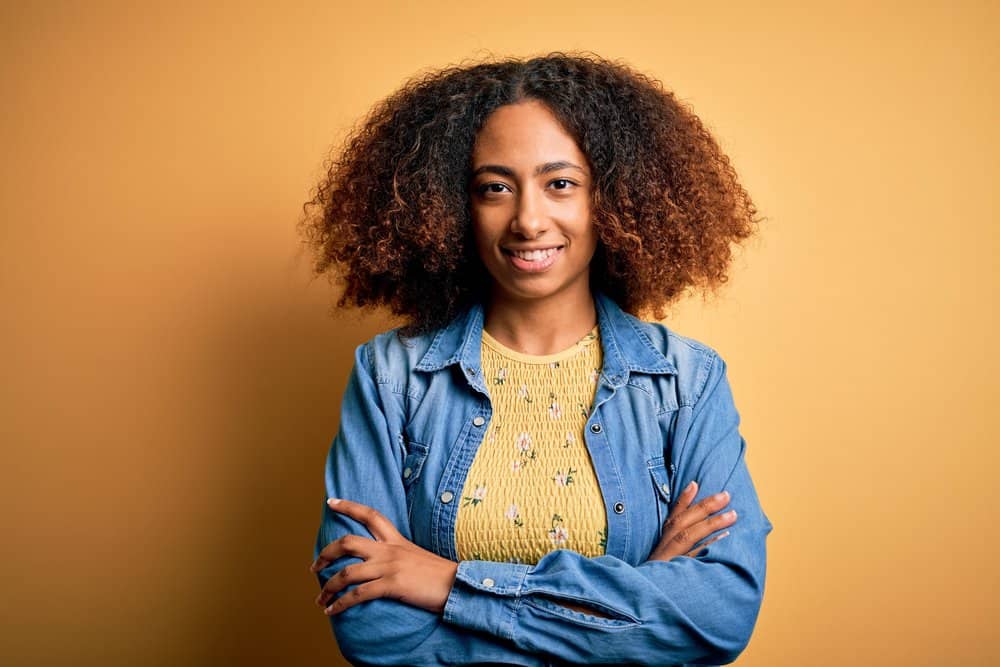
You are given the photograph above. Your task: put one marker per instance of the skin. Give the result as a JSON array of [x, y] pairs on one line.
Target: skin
[[530, 190]]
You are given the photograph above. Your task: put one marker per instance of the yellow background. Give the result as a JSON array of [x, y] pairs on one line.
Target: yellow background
[[172, 377]]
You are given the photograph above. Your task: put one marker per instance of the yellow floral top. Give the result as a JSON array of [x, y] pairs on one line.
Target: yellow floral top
[[531, 487]]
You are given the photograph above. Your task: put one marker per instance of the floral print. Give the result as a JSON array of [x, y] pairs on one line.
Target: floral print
[[555, 412], [564, 478], [514, 516], [528, 453], [534, 442], [478, 495], [558, 533]]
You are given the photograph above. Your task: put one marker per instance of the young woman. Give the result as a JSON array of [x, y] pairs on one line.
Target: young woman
[[526, 473]]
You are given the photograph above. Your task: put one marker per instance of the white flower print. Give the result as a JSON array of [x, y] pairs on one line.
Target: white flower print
[[516, 465], [558, 534], [523, 445], [522, 391], [563, 478], [555, 412], [570, 439], [477, 496], [595, 375], [514, 515], [501, 376]]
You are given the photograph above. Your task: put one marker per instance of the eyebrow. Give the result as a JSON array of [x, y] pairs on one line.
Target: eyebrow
[[539, 170]]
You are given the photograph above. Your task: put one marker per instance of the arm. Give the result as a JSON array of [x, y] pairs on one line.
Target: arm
[[364, 465], [679, 611]]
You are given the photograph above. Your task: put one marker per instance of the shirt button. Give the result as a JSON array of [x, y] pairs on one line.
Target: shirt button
[[619, 508], [470, 371], [447, 496], [407, 472], [488, 582], [595, 428], [478, 421]]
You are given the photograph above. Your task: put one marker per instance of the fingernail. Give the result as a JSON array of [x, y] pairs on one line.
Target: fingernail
[[725, 534], [332, 501], [690, 485], [731, 514]]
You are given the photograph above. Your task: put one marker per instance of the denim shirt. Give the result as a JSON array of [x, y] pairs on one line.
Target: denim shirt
[[413, 415]]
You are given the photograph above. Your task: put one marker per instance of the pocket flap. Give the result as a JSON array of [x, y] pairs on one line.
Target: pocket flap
[[661, 478]]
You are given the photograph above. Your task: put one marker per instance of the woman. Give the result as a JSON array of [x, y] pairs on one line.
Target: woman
[[501, 484]]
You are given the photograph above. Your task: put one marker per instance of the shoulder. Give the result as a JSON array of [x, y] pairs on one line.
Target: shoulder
[[695, 363], [391, 353]]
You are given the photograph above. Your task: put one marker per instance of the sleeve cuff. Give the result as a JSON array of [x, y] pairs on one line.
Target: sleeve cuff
[[485, 596]]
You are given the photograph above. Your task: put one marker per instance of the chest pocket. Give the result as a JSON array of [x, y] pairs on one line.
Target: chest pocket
[[661, 479]]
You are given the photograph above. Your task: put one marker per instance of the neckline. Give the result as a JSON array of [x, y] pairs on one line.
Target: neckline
[[589, 338]]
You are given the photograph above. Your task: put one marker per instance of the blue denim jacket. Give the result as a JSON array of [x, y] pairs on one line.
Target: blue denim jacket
[[413, 415]]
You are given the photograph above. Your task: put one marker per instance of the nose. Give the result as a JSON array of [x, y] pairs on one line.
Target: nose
[[529, 219]]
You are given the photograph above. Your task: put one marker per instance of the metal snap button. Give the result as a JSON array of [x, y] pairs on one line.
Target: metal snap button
[[488, 582], [478, 421], [447, 497], [407, 472], [665, 487], [619, 508], [595, 428], [470, 371]]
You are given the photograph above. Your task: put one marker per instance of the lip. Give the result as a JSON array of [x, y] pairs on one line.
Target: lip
[[532, 266]]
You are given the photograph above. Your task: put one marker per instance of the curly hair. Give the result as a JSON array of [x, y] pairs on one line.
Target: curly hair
[[391, 220]]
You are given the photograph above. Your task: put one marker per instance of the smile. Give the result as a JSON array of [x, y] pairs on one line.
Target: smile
[[533, 260]]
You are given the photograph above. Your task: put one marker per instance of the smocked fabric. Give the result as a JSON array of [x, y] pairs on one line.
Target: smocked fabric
[[532, 486]]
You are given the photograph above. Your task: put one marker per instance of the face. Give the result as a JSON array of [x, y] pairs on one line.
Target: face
[[530, 202]]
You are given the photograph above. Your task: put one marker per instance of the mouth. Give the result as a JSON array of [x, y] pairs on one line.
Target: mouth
[[533, 260]]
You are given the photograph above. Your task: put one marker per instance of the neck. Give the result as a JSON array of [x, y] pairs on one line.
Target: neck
[[541, 326]]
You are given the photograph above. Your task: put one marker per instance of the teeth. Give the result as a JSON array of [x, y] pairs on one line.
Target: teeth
[[534, 255]]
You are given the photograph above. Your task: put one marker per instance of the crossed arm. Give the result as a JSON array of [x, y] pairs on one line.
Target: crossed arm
[[392, 602], [394, 567]]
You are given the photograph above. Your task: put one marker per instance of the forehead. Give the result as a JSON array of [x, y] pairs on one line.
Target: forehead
[[525, 133]]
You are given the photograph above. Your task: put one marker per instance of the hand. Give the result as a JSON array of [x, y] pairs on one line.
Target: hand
[[686, 525], [393, 566]]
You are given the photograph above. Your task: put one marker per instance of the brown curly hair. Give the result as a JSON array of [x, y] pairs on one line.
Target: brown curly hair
[[391, 220]]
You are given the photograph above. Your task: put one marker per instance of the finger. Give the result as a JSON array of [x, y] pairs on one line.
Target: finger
[[687, 495], [701, 547], [354, 573], [681, 504], [380, 527], [686, 538], [700, 510], [369, 591], [348, 545]]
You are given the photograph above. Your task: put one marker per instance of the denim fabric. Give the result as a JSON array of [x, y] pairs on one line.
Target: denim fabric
[[663, 415]]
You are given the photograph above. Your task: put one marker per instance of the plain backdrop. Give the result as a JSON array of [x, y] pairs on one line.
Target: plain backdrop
[[172, 375]]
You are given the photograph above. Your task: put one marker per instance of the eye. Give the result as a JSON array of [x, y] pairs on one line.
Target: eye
[[493, 188], [562, 184]]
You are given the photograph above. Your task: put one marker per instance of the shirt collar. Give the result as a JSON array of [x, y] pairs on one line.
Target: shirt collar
[[626, 349]]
